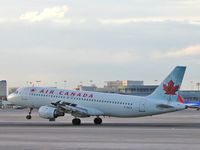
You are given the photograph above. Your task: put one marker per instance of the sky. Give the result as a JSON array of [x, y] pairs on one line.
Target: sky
[[99, 40]]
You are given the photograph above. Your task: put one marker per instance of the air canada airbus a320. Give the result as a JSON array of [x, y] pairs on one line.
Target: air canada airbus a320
[[53, 102]]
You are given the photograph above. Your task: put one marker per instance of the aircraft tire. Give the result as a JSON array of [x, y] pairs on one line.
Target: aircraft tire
[[28, 117], [97, 121], [76, 121], [52, 119]]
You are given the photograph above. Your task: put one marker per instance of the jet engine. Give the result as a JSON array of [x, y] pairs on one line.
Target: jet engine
[[48, 112]]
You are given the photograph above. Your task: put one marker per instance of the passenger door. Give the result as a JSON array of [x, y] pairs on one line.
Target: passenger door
[[142, 106]]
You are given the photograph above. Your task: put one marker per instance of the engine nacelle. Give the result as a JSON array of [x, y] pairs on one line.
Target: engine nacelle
[[48, 112]]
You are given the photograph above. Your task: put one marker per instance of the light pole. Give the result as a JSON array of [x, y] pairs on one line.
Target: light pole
[[31, 83], [155, 82], [198, 85], [38, 82], [191, 82], [91, 82], [56, 83], [65, 83]]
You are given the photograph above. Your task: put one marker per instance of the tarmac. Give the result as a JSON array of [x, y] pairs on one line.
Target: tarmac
[[173, 131]]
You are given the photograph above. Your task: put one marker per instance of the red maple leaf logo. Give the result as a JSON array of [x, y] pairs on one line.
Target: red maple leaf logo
[[170, 89]]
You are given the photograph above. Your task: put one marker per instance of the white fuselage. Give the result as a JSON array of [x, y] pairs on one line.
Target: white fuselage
[[115, 105]]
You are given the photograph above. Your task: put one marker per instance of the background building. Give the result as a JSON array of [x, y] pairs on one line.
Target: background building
[[3, 90], [86, 88], [127, 87], [130, 87], [139, 90], [192, 96]]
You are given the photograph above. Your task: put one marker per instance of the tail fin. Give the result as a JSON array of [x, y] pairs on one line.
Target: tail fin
[[168, 89]]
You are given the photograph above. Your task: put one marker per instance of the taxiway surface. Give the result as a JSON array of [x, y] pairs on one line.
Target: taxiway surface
[[174, 131]]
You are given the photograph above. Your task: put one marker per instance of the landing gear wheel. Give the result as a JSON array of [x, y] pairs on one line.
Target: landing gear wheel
[[97, 120], [28, 117], [76, 121], [52, 119]]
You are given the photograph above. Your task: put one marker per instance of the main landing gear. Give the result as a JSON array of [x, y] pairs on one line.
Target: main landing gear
[[28, 117], [77, 121], [97, 121]]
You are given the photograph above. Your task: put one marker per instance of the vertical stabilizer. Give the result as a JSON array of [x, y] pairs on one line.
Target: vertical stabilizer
[[168, 89]]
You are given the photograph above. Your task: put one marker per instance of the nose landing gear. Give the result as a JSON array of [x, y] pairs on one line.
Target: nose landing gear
[[28, 117]]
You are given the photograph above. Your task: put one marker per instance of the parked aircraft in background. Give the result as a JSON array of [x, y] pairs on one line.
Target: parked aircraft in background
[[188, 104], [53, 103]]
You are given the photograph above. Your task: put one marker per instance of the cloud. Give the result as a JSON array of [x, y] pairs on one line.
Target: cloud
[[195, 22], [190, 51], [99, 57], [48, 14], [190, 20], [186, 2]]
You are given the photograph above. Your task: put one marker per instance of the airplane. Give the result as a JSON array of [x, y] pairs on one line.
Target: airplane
[[53, 102], [188, 104]]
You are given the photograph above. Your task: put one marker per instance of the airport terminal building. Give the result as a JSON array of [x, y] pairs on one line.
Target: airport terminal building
[[127, 87], [192, 96], [3, 90]]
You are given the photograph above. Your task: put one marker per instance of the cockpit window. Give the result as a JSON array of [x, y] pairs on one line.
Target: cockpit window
[[16, 92]]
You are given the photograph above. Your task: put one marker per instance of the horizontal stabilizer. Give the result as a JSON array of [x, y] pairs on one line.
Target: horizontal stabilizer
[[164, 106]]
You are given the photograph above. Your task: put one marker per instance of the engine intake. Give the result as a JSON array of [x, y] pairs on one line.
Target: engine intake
[[48, 112]]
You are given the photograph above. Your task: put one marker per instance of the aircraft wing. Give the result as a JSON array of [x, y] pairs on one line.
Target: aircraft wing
[[77, 111]]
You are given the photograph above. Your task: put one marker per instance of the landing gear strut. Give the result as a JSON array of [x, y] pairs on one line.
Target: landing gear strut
[[76, 121], [97, 121], [28, 117]]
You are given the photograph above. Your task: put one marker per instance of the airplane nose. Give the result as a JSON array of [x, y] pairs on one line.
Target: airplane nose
[[11, 98]]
